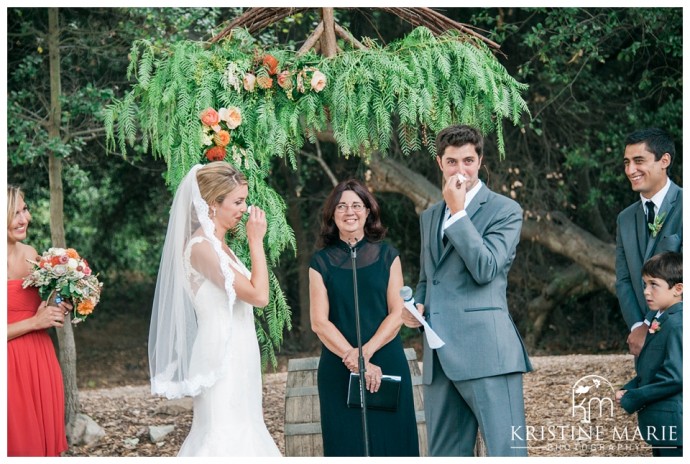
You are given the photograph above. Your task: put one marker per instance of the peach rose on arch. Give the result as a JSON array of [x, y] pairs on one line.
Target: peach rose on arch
[[249, 82], [318, 81], [209, 117], [232, 116]]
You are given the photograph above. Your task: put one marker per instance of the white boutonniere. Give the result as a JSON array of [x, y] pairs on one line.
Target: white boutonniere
[[656, 226]]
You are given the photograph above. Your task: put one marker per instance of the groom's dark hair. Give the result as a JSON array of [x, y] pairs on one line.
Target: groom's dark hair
[[457, 136], [657, 140]]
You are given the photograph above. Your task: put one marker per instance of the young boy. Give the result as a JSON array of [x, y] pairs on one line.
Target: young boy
[[656, 394]]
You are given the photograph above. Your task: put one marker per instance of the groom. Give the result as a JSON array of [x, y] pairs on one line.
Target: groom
[[468, 245]]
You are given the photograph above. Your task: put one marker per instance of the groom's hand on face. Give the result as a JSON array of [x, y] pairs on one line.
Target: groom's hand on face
[[636, 339], [454, 193]]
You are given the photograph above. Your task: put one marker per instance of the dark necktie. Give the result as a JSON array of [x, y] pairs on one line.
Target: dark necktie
[[444, 239], [650, 212]]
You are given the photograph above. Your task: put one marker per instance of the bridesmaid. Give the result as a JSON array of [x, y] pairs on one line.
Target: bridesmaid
[[35, 396]]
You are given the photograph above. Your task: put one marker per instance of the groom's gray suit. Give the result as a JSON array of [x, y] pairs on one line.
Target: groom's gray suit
[[463, 288], [635, 245]]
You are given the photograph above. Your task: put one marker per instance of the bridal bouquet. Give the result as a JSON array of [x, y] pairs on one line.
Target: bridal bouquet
[[62, 274]]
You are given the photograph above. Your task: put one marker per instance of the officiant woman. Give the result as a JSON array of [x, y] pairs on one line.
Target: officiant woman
[[351, 223], [35, 396]]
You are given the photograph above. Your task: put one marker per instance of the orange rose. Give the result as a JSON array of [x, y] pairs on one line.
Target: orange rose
[[72, 253], [271, 64], [209, 117], [215, 153], [85, 307], [318, 81], [264, 82], [222, 138]]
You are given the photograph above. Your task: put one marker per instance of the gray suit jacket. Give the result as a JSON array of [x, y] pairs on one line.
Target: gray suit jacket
[[463, 288], [656, 394], [634, 246]]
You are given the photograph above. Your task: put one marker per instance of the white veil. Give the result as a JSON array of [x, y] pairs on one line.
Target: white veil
[[173, 328]]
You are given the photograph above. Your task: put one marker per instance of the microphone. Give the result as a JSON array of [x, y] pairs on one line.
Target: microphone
[[406, 294], [431, 337]]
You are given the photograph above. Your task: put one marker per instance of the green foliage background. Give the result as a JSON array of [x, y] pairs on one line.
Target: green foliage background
[[593, 75]]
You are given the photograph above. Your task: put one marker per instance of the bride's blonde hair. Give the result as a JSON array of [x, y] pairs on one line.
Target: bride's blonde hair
[[217, 179]]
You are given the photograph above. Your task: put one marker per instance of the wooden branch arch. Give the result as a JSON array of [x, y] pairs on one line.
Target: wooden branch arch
[[257, 19]]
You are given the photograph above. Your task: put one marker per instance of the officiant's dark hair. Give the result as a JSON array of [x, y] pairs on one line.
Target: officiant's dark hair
[[666, 266], [373, 229]]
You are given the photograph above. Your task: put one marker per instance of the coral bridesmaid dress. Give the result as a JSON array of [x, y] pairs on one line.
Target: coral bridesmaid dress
[[35, 395]]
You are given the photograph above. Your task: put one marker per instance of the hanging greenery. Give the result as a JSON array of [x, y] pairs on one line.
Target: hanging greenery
[[233, 100]]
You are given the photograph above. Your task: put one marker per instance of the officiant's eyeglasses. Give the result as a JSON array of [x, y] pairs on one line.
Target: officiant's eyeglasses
[[356, 207]]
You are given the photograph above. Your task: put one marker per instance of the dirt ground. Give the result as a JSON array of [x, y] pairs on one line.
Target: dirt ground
[[114, 391]]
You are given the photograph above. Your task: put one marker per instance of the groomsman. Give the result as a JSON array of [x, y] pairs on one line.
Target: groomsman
[[651, 225], [473, 382]]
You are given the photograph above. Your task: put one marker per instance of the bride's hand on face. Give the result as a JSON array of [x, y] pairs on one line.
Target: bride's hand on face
[[256, 225]]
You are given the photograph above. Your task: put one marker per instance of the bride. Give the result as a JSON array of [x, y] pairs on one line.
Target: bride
[[202, 340]]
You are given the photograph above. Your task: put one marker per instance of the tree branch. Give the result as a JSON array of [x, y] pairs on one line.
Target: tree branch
[[345, 35], [311, 40], [319, 159]]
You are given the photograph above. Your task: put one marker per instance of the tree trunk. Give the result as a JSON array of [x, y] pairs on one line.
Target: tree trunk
[[68, 352], [569, 282], [390, 176], [328, 41], [560, 235]]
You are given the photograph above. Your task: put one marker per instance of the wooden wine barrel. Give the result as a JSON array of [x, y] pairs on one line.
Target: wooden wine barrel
[[303, 414]]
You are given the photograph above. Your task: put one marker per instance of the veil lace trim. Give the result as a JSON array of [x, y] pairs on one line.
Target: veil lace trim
[[174, 327]]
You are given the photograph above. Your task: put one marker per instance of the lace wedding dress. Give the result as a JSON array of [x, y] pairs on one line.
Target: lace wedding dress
[[228, 416]]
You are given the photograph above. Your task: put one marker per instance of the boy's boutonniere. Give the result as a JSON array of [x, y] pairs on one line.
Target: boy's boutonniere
[[656, 226], [655, 327]]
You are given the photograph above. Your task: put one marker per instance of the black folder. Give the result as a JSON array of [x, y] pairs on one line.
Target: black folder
[[385, 399]]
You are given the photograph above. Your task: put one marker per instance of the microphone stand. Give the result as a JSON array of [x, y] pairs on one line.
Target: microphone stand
[[362, 369]]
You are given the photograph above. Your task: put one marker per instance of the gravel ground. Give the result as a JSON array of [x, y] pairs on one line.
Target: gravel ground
[[126, 412]]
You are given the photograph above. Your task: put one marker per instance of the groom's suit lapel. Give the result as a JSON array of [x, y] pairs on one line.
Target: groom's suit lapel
[[475, 206], [667, 207], [641, 225], [436, 244]]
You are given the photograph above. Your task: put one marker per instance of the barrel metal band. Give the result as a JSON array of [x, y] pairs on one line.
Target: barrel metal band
[[301, 391], [309, 428]]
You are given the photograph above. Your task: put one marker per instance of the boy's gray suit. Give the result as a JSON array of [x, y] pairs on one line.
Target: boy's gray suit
[[656, 393], [463, 288], [635, 245]]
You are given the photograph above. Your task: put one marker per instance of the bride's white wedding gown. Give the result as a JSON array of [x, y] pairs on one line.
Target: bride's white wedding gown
[[228, 416]]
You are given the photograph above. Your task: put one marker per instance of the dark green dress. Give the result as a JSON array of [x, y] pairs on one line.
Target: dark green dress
[[390, 433]]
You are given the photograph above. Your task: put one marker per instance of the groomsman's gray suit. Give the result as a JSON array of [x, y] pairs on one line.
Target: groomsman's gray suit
[[463, 288], [635, 245]]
